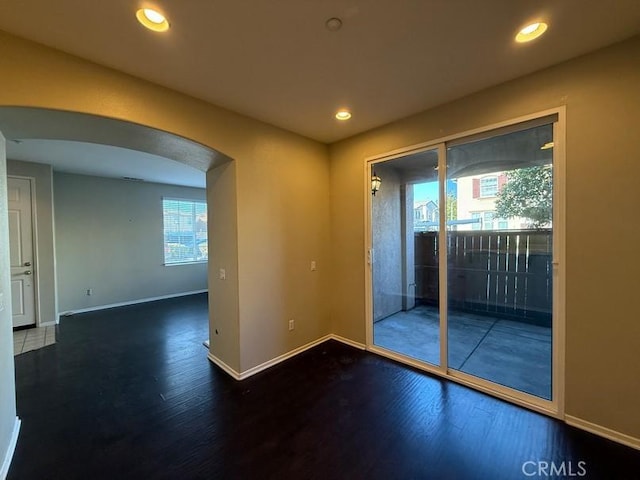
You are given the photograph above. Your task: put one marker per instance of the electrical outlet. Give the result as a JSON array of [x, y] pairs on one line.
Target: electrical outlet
[[292, 324], [222, 274], [313, 265], [89, 291]]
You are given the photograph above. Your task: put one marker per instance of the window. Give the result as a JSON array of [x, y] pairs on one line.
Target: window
[[185, 231], [488, 187], [478, 220], [487, 221]]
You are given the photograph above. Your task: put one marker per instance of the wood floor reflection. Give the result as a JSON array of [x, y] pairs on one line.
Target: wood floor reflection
[[128, 393]]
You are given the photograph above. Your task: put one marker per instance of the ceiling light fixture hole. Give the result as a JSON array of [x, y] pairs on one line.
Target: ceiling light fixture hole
[[333, 24]]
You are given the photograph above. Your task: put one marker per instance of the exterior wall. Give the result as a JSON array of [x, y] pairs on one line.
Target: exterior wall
[[467, 205], [45, 267], [601, 94], [386, 216]]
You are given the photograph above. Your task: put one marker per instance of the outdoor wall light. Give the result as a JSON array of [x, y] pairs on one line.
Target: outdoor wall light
[[375, 183]]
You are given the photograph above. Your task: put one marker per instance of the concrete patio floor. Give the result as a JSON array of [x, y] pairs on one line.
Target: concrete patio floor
[[511, 353]]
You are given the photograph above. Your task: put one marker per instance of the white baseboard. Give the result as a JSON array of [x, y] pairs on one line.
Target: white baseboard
[[227, 369], [605, 432], [8, 456], [52, 323], [281, 358], [130, 302], [346, 341]]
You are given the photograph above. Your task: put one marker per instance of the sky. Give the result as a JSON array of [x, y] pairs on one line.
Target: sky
[[429, 191]]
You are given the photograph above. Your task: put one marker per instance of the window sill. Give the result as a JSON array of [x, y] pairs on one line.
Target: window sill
[[176, 264]]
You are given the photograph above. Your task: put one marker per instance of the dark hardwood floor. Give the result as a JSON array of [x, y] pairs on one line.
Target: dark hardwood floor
[[128, 393]]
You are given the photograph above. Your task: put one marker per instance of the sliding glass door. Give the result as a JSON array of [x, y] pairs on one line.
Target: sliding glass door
[[475, 299], [405, 214], [499, 259]]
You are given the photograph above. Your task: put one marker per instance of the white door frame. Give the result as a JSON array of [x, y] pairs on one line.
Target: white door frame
[[34, 241], [554, 407]]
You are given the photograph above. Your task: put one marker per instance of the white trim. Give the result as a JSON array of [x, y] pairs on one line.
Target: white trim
[[521, 399], [269, 363], [281, 358], [346, 341], [34, 245], [554, 407], [8, 456], [226, 368], [52, 323], [559, 266], [130, 302], [443, 265], [605, 432], [368, 254], [430, 144]]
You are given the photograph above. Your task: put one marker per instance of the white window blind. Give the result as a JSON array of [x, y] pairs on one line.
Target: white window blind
[[185, 231]]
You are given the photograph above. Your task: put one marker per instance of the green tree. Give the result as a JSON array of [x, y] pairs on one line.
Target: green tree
[[452, 207], [527, 193]]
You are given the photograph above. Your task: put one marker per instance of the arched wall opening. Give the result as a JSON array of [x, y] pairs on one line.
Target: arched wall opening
[[269, 207], [62, 274]]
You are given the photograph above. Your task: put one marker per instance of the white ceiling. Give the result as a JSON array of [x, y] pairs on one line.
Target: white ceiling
[[275, 61], [105, 161]]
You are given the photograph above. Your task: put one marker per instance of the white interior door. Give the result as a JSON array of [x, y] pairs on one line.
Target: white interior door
[[21, 251]]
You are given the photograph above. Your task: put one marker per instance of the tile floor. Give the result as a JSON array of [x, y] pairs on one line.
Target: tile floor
[[514, 354], [33, 338]]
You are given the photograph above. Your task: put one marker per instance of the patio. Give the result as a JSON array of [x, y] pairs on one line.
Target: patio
[[507, 352]]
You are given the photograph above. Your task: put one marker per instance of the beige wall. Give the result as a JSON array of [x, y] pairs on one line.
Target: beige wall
[[45, 266], [602, 95], [224, 324], [281, 188], [285, 212]]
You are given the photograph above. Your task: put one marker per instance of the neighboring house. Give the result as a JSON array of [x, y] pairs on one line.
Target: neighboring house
[[477, 196], [425, 216]]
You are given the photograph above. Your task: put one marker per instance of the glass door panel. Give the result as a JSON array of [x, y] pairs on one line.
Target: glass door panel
[[499, 259], [405, 215]]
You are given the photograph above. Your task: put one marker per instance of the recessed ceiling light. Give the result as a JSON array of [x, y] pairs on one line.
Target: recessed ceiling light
[[152, 19], [531, 32], [333, 24], [343, 115]]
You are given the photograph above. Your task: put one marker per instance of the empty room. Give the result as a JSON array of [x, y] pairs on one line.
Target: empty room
[[335, 239]]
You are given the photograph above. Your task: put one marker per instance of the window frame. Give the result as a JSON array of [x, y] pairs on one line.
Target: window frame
[[194, 203], [493, 193]]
